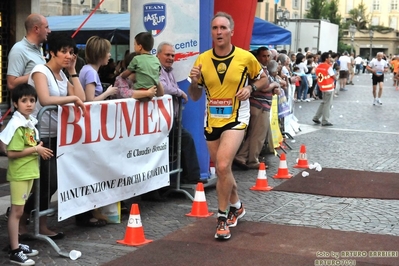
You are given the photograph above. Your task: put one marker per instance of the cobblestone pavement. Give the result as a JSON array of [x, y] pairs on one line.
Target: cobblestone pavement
[[364, 137]]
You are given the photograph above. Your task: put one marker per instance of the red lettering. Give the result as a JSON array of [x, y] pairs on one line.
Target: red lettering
[[76, 128], [129, 121], [87, 123], [103, 121], [147, 116], [165, 113]]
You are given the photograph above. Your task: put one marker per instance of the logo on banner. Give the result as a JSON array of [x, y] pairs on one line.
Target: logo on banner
[[154, 17]]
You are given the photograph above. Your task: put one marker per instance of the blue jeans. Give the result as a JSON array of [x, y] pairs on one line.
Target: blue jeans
[[302, 91]]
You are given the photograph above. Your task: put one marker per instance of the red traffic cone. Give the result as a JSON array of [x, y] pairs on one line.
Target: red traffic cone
[[134, 235], [302, 160], [261, 181], [199, 207], [282, 171]]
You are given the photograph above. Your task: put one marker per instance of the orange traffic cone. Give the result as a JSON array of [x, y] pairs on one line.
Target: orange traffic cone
[[134, 235], [200, 207], [282, 171], [261, 181], [302, 160]]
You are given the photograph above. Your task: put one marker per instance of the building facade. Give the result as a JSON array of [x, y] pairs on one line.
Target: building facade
[[381, 12]]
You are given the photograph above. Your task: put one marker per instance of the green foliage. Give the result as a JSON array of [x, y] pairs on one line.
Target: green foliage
[[316, 9], [324, 9], [358, 17], [331, 12], [342, 47]]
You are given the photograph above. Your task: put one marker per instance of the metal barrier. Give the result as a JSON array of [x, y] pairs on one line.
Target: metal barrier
[[174, 168], [175, 155], [37, 214]]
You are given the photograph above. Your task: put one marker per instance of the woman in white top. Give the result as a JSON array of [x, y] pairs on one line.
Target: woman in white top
[[302, 92], [53, 88]]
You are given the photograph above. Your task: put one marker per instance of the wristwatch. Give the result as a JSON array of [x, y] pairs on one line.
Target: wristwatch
[[254, 88]]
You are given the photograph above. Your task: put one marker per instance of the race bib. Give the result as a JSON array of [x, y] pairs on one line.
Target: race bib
[[221, 108]]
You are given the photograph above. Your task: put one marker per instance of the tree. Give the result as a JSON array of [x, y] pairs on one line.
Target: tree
[[358, 17], [330, 12], [316, 9]]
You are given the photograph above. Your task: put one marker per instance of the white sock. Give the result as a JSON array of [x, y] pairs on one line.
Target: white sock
[[236, 205]]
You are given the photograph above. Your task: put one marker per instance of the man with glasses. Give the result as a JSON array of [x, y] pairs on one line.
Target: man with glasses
[[325, 76]]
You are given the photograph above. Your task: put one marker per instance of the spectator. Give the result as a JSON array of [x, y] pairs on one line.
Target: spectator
[[326, 86], [27, 53], [122, 64], [351, 70], [125, 86], [97, 54], [258, 130], [23, 165], [191, 170], [302, 91], [106, 72], [53, 88], [345, 64], [358, 64], [145, 68]]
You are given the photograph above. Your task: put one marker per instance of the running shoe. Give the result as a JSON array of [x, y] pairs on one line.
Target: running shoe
[[234, 215], [222, 230]]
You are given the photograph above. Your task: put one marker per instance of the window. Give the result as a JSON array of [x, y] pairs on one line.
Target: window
[[349, 5], [66, 7], [267, 11], [393, 22], [375, 21], [295, 4], [394, 4], [376, 5], [283, 3], [307, 5], [94, 3], [295, 15], [124, 6]]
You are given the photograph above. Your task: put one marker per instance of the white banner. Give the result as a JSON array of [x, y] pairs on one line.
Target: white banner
[[174, 21], [120, 149]]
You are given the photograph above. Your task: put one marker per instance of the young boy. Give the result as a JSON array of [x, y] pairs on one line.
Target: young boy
[[20, 136], [145, 67]]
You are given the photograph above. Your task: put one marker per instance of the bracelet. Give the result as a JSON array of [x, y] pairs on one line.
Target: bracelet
[[74, 76], [35, 148]]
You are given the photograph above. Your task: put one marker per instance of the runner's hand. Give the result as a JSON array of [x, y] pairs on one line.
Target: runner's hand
[[195, 73]]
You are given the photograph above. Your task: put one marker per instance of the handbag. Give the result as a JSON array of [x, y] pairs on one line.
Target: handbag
[[111, 213], [283, 105]]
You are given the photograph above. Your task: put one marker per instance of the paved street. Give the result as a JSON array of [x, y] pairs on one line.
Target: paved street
[[364, 137]]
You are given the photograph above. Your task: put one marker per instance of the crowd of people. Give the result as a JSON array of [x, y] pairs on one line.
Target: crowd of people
[[235, 136]]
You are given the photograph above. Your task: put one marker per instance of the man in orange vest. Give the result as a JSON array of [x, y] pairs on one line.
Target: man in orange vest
[[325, 80]]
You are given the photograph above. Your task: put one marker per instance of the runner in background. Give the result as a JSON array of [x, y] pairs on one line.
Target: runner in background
[[378, 67]]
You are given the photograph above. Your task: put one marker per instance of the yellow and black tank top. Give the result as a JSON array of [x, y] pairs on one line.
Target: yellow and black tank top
[[221, 78]]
